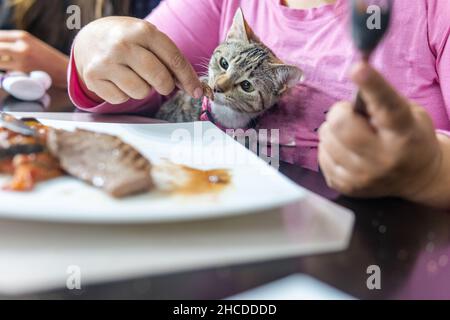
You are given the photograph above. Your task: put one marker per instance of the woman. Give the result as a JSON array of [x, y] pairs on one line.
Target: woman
[[401, 149], [45, 43]]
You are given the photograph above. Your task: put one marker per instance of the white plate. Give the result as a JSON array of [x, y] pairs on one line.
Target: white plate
[[255, 185]]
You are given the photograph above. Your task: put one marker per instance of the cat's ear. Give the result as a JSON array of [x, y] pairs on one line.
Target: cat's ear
[[288, 76], [240, 30]]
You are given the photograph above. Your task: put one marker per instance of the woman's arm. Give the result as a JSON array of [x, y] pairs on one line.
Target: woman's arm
[[437, 192], [157, 54], [23, 52]]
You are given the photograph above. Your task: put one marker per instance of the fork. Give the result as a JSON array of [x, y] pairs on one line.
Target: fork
[[368, 30], [11, 123]]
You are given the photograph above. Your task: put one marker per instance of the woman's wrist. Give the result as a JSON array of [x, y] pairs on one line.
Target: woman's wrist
[[436, 190], [59, 73]]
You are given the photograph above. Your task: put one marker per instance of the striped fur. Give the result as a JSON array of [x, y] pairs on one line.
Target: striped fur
[[249, 60]]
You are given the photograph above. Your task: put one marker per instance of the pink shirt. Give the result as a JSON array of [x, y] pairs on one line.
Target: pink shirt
[[414, 57]]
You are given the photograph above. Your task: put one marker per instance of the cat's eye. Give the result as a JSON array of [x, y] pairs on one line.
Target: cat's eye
[[247, 86], [224, 64]]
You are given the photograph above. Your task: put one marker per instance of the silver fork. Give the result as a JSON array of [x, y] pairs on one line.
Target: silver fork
[[11, 123]]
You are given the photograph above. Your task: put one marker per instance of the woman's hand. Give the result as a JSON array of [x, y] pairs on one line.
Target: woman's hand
[[394, 152], [119, 58], [21, 51]]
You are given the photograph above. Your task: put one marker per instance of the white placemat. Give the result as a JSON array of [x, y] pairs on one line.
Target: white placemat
[[38, 256], [295, 287]]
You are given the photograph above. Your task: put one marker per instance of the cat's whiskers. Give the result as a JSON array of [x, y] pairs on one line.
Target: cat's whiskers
[[203, 65], [203, 60], [243, 107], [257, 75], [228, 102]]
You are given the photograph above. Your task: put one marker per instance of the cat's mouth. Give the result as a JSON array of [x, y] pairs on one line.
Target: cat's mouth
[[226, 102], [223, 100]]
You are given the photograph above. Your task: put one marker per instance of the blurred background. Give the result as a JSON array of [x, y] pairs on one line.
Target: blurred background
[[34, 36], [47, 41]]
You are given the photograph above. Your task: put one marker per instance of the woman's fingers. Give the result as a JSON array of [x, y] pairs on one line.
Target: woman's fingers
[[354, 131], [387, 108], [8, 63], [348, 150], [149, 68], [107, 91], [336, 176], [8, 56], [11, 35], [138, 48], [129, 82], [7, 48], [393, 152], [349, 175], [342, 154], [168, 53]]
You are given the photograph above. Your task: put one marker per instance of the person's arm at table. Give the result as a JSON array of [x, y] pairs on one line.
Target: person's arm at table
[[125, 64], [23, 52], [397, 152]]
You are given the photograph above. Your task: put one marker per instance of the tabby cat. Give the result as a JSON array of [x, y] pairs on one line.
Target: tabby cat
[[246, 77]]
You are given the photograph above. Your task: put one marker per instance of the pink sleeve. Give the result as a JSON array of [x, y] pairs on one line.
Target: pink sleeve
[[193, 28], [439, 37], [83, 102]]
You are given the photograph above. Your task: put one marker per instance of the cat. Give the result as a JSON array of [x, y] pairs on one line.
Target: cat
[[246, 78]]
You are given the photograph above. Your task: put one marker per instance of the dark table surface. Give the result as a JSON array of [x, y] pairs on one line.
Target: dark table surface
[[410, 243]]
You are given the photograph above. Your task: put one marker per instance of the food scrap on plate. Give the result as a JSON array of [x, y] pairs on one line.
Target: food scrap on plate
[[102, 160], [31, 153], [208, 91], [26, 158]]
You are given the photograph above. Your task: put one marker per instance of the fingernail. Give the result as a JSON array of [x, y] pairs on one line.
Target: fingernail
[[178, 85], [198, 93]]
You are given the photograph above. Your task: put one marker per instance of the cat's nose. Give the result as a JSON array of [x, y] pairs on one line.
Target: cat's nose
[[223, 84], [218, 89]]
